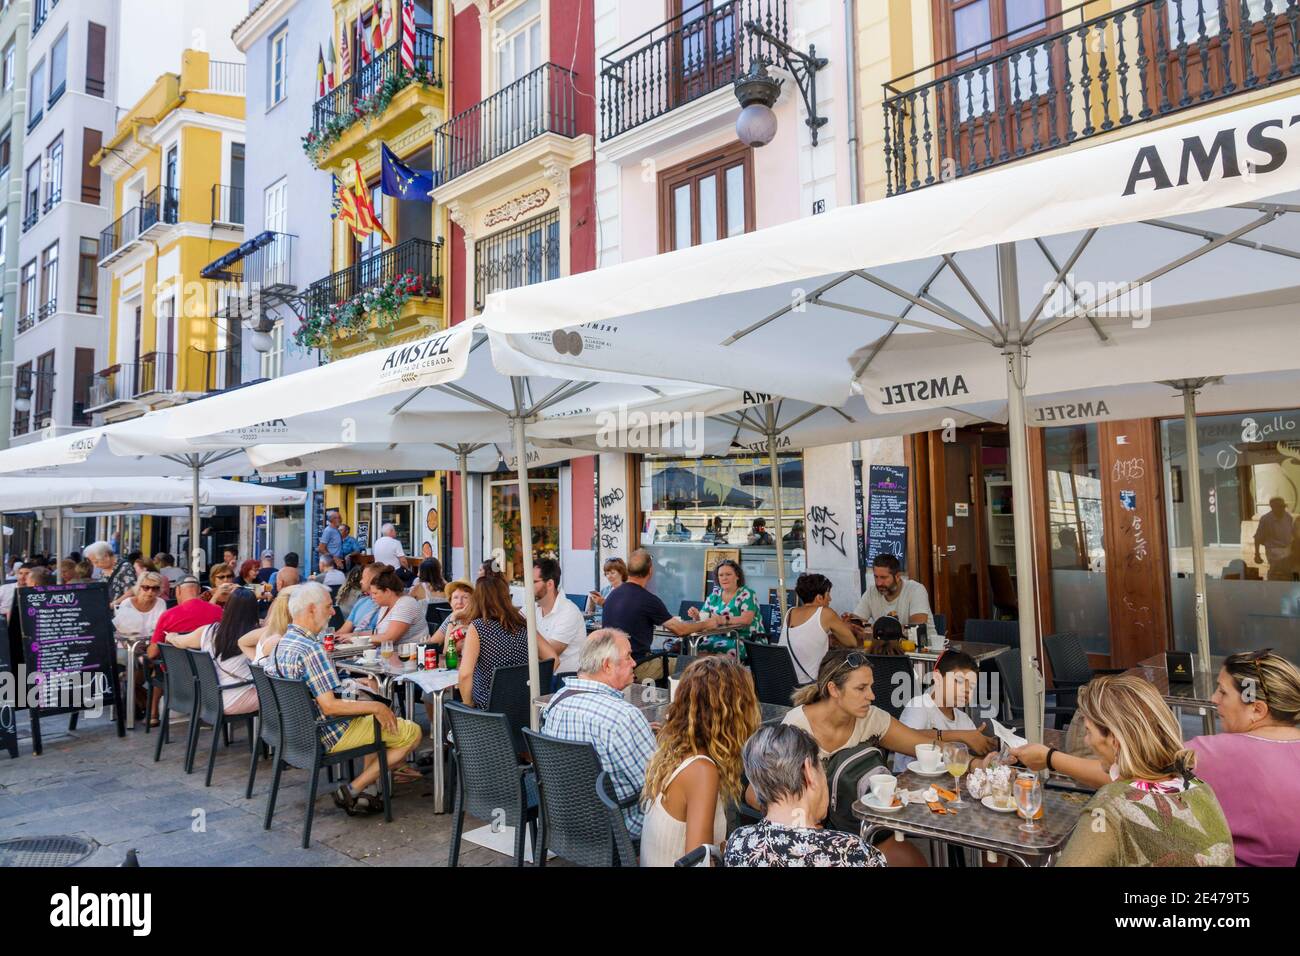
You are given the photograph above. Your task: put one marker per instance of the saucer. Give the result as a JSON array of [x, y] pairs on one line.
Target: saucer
[[988, 802], [915, 767], [869, 799]]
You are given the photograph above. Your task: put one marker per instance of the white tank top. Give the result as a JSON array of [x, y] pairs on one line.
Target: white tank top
[[663, 836], [808, 643]]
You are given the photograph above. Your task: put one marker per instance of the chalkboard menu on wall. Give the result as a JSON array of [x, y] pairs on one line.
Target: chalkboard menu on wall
[[68, 645], [887, 512]]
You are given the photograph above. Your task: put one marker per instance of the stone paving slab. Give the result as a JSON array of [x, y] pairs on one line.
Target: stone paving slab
[[90, 783]]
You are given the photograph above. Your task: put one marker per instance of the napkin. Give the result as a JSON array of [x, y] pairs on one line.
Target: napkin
[[1008, 737]]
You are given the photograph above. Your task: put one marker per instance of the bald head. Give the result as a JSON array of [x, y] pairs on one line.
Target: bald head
[[286, 578]]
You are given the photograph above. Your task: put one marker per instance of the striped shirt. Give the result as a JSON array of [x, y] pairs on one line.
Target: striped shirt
[[603, 717], [299, 656]]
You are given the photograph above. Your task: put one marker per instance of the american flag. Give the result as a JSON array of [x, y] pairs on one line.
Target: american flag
[[345, 54], [408, 34]]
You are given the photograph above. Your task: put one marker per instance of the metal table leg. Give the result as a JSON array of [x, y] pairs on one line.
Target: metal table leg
[[439, 771], [128, 696]]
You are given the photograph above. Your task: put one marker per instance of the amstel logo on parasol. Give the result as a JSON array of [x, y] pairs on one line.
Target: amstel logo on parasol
[[438, 353]]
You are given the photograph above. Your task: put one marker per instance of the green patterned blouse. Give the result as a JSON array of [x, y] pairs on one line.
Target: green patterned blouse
[[1133, 823], [743, 600]]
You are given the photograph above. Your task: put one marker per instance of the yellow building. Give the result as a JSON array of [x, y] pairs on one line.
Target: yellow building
[[368, 299], [177, 163]]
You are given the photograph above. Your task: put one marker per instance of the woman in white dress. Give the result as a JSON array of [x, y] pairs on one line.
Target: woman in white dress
[[697, 766]]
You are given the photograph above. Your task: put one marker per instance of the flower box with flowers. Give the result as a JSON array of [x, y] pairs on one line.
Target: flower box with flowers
[[318, 142], [377, 308]]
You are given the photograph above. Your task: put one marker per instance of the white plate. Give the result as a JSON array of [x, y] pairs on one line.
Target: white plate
[[988, 802], [869, 799], [915, 767]]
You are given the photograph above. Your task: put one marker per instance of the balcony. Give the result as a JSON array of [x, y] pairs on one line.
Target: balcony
[[227, 205], [1067, 78], [160, 207], [153, 373], [26, 322], [411, 270], [225, 77], [538, 103], [255, 277], [46, 310], [53, 199], [368, 93], [524, 254], [33, 215], [220, 369], [702, 49]]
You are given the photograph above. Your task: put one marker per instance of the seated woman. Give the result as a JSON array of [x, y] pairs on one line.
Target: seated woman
[[248, 572], [221, 642], [1155, 811], [430, 585], [258, 643], [731, 607], [401, 617], [696, 768], [497, 637], [786, 775], [460, 594], [956, 679], [812, 628], [1253, 766], [351, 591], [615, 573]]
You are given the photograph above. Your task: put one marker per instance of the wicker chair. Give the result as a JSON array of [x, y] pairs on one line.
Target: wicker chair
[[575, 821], [980, 631], [490, 778], [1070, 671], [301, 747], [773, 668], [180, 693], [212, 709], [509, 694], [268, 731], [891, 680]]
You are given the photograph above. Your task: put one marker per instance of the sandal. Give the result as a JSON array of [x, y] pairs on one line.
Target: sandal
[[344, 800], [407, 775], [367, 803]]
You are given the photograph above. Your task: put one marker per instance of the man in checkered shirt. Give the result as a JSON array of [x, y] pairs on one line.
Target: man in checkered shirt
[[591, 709]]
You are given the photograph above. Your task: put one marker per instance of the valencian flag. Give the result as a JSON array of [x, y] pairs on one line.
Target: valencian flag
[[401, 181], [355, 209], [320, 72]]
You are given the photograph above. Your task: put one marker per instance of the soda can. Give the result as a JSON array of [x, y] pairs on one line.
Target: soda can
[[329, 643], [430, 659]]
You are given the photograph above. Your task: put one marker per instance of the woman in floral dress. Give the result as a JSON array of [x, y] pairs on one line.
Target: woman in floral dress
[[734, 604]]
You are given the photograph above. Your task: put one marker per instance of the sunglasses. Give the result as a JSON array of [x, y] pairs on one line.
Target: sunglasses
[[852, 662], [150, 587]]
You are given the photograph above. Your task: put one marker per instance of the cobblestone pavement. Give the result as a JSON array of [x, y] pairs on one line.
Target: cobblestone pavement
[[89, 783]]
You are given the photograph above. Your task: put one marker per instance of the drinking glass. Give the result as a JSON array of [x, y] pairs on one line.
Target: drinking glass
[[1001, 792], [957, 760], [1029, 798]]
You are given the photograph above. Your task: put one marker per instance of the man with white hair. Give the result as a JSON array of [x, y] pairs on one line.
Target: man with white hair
[[387, 549], [347, 723], [118, 572], [591, 709], [331, 540]]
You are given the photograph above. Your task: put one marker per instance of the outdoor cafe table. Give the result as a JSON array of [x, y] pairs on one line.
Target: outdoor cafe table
[[976, 826], [1180, 696]]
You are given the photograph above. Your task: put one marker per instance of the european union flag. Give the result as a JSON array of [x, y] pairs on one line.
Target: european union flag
[[401, 181]]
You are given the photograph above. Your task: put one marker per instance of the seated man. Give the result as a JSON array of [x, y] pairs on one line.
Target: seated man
[[190, 613], [347, 723], [893, 596], [329, 574], [591, 709], [636, 612], [285, 578], [561, 631]]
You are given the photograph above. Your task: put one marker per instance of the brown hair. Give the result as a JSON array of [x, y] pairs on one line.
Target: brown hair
[[835, 668], [1270, 678], [492, 603], [714, 712], [616, 564], [388, 581], [1146, 732]]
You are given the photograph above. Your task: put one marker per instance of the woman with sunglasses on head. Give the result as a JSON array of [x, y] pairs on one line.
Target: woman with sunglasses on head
[[1253, 766]]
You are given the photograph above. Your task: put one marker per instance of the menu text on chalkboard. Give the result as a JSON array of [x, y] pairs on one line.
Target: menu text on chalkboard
[[887, 512]]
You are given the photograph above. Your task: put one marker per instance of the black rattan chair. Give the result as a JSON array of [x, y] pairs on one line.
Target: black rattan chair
[[212, 709], [509, 694], [623, 845], [180, 693], [575, 823], [300, 746], [268, 730], [891, 680], [1070, 670], [1011, 690], [490, 779], [773, 670], [980, 631]]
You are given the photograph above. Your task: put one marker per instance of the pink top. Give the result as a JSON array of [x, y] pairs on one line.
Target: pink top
[[1256, 781]]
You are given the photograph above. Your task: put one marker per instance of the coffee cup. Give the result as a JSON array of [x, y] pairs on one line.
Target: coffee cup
[[370, 654], [929, 756], [882, 789], [937, 642]]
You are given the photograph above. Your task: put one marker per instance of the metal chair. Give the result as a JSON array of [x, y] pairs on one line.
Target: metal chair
[[980, 631], [509, 694], [180, 693], [490, 778], [575, 821], [1011, 690], [268, 731], [773, 670], [301, 747], [212, 709], [891, 680]]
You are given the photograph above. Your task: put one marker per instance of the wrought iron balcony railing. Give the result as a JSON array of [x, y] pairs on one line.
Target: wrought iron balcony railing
[[524, 254], [421, 257], [154, 372], [345, 104], [702, 49], [29, 220], [123, 230], [161, 205], [539, 102], [1068, 78]]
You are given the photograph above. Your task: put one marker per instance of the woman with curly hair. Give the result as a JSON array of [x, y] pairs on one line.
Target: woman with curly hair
[[696, 769]]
